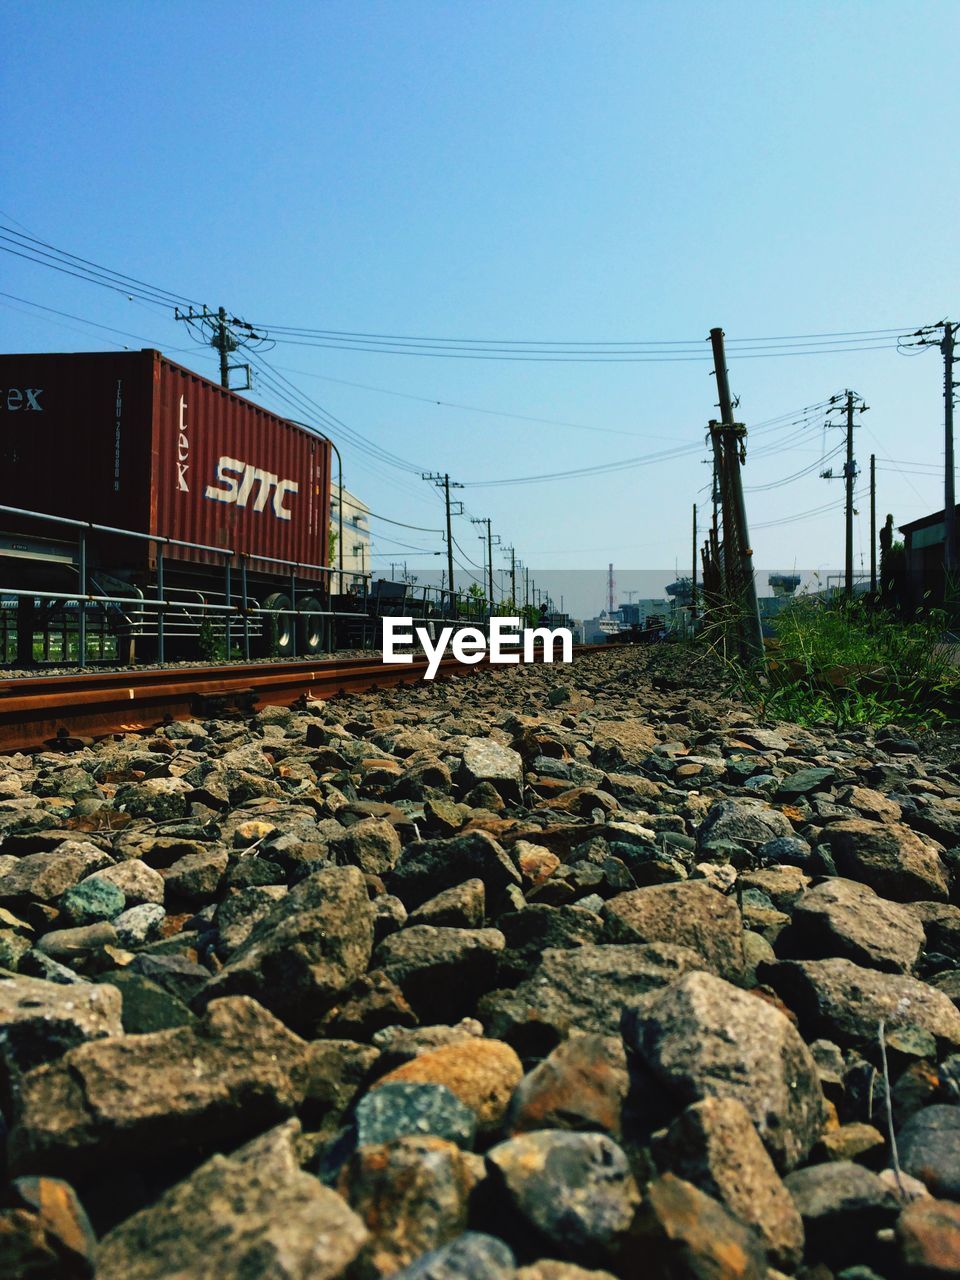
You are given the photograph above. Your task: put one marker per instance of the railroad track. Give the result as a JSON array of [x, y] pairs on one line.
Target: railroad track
[[35, 710], [55, 710]]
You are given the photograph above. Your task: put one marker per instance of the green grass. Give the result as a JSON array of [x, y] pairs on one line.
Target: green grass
[[846, 663]]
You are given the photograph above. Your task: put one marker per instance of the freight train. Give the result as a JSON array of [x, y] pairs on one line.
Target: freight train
[[147, 513]]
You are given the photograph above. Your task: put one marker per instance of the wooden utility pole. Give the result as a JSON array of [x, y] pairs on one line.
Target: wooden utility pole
[[873, 524], [733, 434]]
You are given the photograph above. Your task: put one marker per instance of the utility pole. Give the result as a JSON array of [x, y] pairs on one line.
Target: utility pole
[[486, 520], [949, 496], [693, 575], [873, 524], [221, 343], [733, 437], [849, 472], [446, 484], [217, 332], [947, 345], [854, 404]]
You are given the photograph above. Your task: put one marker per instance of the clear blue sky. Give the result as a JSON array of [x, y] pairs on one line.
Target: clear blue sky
[[586, 172]]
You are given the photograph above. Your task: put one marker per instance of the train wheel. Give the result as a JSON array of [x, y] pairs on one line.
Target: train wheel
[[277, 627], [309, 626]]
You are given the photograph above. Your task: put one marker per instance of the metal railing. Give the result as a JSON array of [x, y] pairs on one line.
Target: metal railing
[[369, 604]]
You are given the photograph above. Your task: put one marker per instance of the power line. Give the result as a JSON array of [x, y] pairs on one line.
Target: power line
[[43, 254]]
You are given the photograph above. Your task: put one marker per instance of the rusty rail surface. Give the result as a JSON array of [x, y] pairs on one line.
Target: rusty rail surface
[[38, 710]]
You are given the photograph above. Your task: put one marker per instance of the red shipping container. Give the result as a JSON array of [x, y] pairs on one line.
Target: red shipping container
[[134, 441]]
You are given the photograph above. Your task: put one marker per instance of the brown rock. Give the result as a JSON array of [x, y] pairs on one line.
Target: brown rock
[[889, 857], [689, 914], [463, 906], [301, 958], [254, 1213], [43, 877], [481, 1073], [873, 805], [411, 1195], [25, 1250], [42, 1020], [366, 1007], [928, 1235], [682, 1234], [65, 1225], [843, 918], [231, 1073], [536, 863], [582, 1084], [850, 1142], [714, 1145]]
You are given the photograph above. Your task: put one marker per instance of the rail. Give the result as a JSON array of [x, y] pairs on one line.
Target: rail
[[56, 710]]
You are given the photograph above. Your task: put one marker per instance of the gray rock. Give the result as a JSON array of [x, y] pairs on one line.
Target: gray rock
[[487, 761], [426, 868], [307, 951], [139, 925], [840, 1001], [929, 1146], [40, 1021], [397, 1110], [92, 900], [805, 781], [580, 990], [843, 1206], [691, 914], [472, 1256], [702, 1038], [745, 821], [574, 1191], [191, 1088], [441, 971], [786, 849], [44, 877], [252, 1213], [843, 918]]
